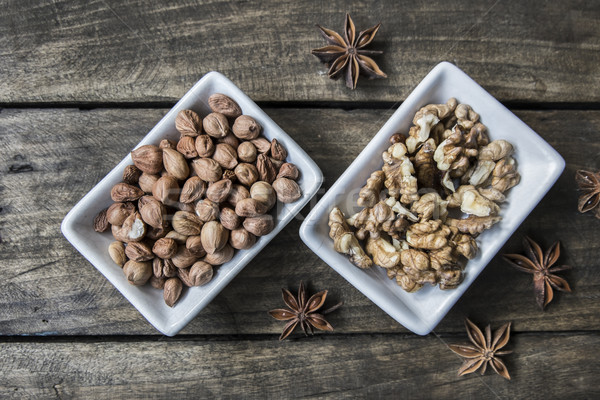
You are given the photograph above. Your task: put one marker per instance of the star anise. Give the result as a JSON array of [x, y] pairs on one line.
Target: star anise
[[589, 184], [303, 312], [541, 266], [485, 350], [348, 53]]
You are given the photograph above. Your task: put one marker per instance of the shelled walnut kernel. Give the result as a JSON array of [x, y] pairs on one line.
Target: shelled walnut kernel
[[411, 221]]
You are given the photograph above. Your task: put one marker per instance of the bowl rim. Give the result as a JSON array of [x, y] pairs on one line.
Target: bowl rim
[[308, 170], [323, 248]]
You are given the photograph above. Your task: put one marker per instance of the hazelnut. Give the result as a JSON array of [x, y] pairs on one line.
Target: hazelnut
[[137, 272], [176, 236], [264, 193], [138, 251], [148, 158], [207, 210], [165, 247], [229, 219], [246, 173], [219, 257], [262, 145], [218, 191], [118, 233], [246, 127], [118, 212], [278, 152], [276, 163], [153, 212], [250, 208], [216, 125], [131, 174], [100, 222], [116, 250], [172, 291], [175, 164], [183, 258], [225, 105], [169, 268], [225, 155], [193, 189], [259, 226], [194, 245], [157, 283], [125, 192], [158, 265], [184, 275], [247, 152], [188, 123], [145, 200], [157, 233], [200, 273], [204, 146], [166, 190], [207, 169], [187, 147], [240, 239], [187, 223], [287, 190], [214, 236], [147, 181], [167, 144], [238, 192], [288, 170], [230, 139], [132, 230], [266, 170], [189, 207]]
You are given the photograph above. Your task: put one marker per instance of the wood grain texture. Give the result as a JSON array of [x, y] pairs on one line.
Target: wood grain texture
[[52, 157], [150, 51], [364, 366]]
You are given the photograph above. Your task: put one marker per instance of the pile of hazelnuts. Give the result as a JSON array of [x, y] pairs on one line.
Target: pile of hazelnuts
[[185, 206]]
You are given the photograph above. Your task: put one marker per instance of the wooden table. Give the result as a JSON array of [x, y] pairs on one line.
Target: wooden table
[[81, 82]]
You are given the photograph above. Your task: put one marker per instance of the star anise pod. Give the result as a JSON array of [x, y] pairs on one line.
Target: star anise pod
[[541, 266], [485, 350], [589, 184], [303, 312], [347, 54]]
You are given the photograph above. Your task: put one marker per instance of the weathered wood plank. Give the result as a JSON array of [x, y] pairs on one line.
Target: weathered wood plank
[[51, 158], [141, 51], [365, 366]]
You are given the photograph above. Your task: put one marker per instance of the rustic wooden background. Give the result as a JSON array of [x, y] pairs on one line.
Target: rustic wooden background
[[81, 82]]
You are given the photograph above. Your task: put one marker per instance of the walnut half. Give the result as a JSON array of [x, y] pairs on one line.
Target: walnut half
[[344, 240]]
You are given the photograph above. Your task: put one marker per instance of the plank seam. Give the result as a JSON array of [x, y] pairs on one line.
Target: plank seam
[[349, 106], [259, 337]]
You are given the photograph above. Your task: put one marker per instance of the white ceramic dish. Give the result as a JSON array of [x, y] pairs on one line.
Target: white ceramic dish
[[539, 165], [77, 226]]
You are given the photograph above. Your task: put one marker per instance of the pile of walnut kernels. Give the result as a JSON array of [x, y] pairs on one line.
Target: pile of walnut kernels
[[411, 221], [183, 207]]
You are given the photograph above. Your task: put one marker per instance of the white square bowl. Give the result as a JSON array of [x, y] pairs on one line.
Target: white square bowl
[[538, 163], [77, 226]]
